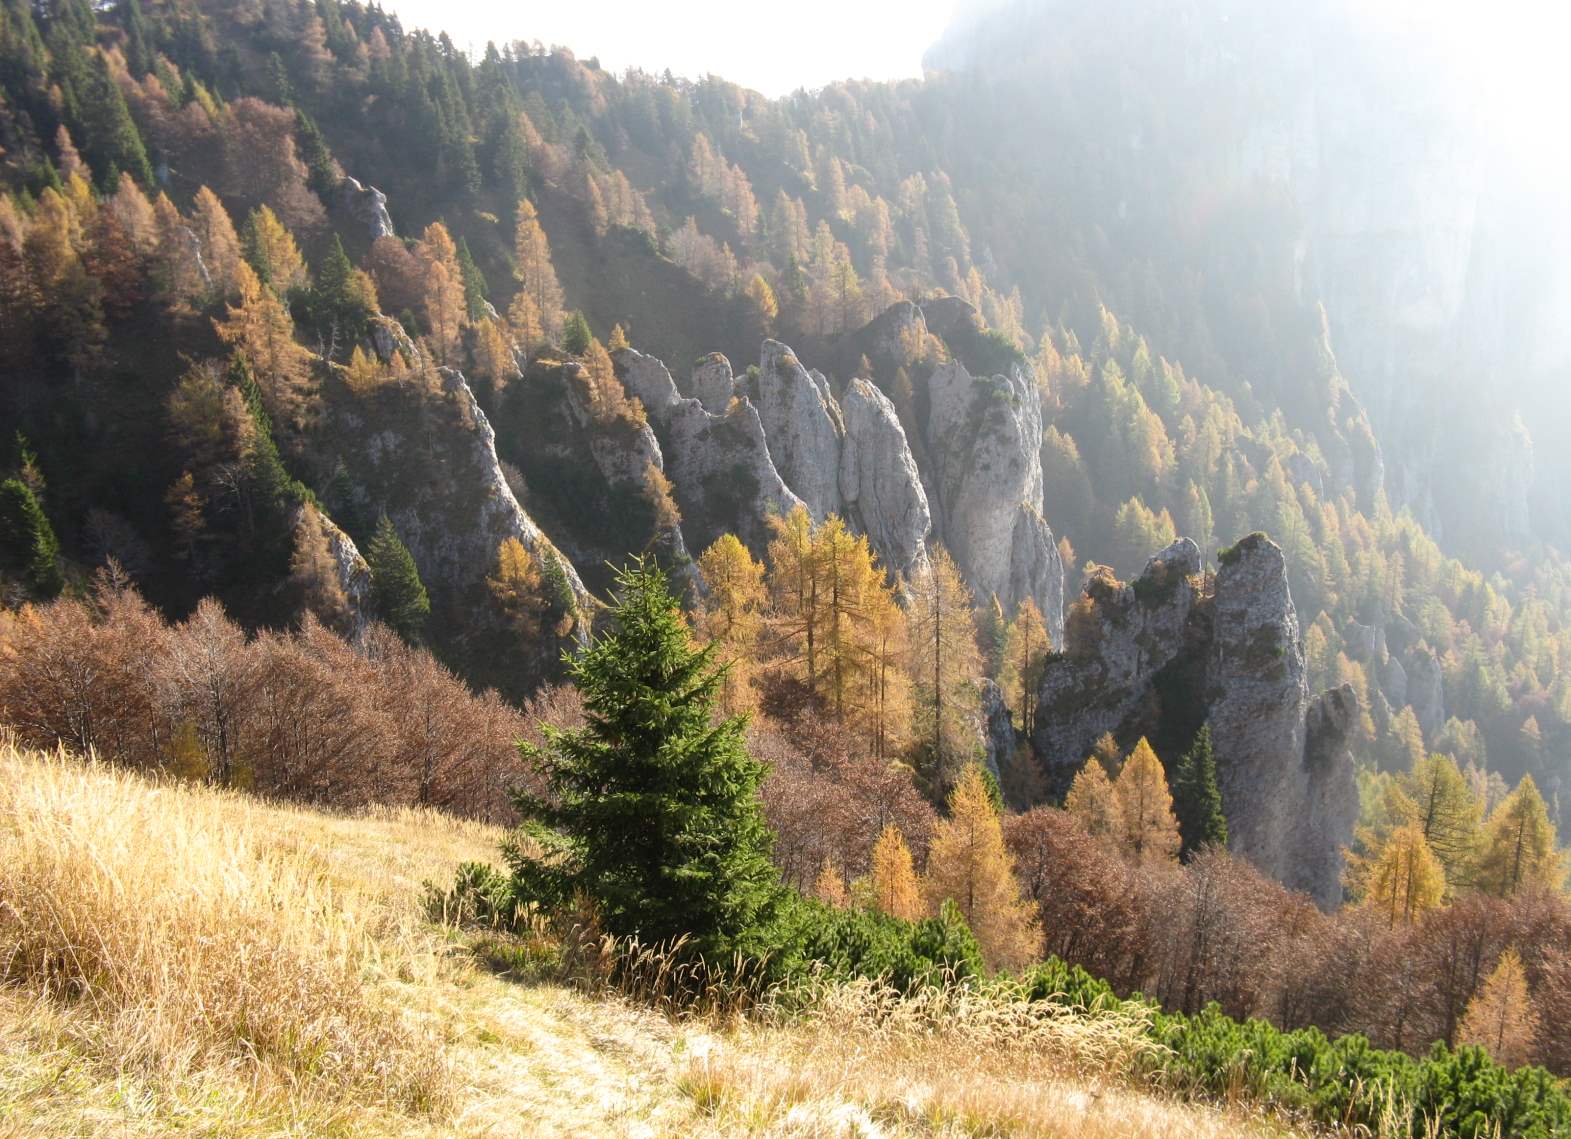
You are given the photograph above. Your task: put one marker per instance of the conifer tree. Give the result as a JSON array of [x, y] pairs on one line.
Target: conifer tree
[[344, 297], [830, 887], [944, 665], [1026, 647], [576, 336], [1448, 814], [1196, 799], [618, 339], [1146, 828], [896, 890], [730, 614], [1091, 800], [536, 275], [261, 329], [476, 291], [272, 252], [396, 589], [1407, 879], [1519, 845], [968, 864], [109, 137], [653, 812], [519, 588], [27, 541], [1501, 1017]]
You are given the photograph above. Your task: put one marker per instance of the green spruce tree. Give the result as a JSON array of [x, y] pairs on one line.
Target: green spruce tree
[[339, 304], [653, 811], [476, 291], [576, 334], [27, 541], [397, 592], [1196, 800]]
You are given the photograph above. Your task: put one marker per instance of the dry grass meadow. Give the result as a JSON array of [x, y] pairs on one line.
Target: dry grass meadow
[[184, 961]]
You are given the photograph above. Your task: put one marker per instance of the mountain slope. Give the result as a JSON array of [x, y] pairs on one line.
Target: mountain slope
[[110, 1054]]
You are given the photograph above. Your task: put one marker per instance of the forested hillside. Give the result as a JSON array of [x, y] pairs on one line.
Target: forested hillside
[[340, 372]]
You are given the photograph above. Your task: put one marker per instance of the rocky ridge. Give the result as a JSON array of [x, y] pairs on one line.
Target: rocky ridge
[[1176, 649]]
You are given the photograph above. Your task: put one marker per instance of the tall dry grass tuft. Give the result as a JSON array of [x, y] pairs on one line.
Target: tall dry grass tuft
[[168, 940], [948, 1060]]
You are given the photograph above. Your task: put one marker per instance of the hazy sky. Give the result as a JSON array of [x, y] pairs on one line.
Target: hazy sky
[[1509, 54], [774, 48]]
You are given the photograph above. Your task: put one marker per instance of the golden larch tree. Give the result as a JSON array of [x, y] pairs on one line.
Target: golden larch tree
[[731, 614], [967, 863], [519, 588], [1447, 812], [220, 244], [260, 327], [830, 887], [1091, 800], [795, 589], [945, 663], [893, 877], [1026, 645], [1519, 845], [1407, 879], [272, 251], [1146, 828], [1501, 1017], [536, 275], [523, 321], [443, 301]]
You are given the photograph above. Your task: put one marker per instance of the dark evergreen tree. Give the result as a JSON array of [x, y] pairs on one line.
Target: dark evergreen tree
[[576, 334], [109, 139], [27, 541], [396, 589], [340, 305], [476, 292], [318, 159], [1196, 800], [653, 811]]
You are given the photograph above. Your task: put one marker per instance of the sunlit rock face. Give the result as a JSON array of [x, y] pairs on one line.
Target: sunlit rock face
[[880, 486], [719, 464], [1176, 649]]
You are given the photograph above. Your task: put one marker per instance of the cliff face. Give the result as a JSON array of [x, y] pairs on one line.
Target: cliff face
[[983, 436], [1173, 650], [719, 463], [880, 486], [971, 477], [428, 459]]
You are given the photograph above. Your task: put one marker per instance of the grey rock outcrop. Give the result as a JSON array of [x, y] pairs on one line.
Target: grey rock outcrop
[[429, 461], [351, 574], [1173, 650], [387, 337], [1294, 805], [367, 205], [984, 437], [880, 486], [998, 730], [623, 457], [1122, 639], [712, 383], [1425, 690], [720, 465], [803, 427]]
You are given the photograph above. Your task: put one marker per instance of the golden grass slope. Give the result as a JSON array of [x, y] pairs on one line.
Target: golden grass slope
[[184, 961]]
